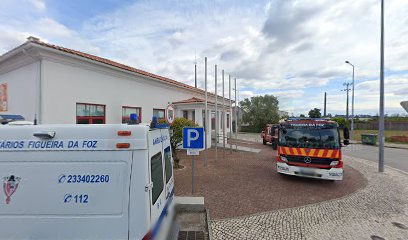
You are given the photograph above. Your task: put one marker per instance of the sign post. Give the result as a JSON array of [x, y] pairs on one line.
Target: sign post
[[193, 142]]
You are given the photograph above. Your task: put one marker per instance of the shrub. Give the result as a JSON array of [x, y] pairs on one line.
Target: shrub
[[341, 121], [177, 136]]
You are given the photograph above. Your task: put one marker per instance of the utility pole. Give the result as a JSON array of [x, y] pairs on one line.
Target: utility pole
[[325, 102], [381, 122], [352, 103], [347, 101]]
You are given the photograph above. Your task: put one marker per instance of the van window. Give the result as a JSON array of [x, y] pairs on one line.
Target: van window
[[167, 157], [157, 176]]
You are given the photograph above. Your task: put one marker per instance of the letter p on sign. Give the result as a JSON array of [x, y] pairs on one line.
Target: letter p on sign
[[193, 137]]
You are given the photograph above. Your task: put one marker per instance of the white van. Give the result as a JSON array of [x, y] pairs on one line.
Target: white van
[[85, 182]]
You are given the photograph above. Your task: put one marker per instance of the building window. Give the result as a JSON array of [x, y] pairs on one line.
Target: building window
[[87, 113], [185, 114], [126, 111], [193, 116], [157, 176], [212, 120], [222, 121], [159, 113], [228, 120], [204, 116]]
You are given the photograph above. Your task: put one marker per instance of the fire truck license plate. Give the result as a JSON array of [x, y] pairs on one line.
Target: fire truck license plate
[[307, 172]]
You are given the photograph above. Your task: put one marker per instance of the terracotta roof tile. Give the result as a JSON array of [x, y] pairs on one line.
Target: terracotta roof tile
[[198, 100], [191, 100], [118, 65]]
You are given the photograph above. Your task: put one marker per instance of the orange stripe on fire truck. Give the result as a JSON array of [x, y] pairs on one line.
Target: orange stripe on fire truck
[[329, 153]]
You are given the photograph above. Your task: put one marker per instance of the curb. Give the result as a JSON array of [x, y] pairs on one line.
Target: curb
[[386, 166], [190, 204], [210, 235], [385, 145]]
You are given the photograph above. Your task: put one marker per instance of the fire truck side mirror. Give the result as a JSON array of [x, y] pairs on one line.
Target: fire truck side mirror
[[346, 133]]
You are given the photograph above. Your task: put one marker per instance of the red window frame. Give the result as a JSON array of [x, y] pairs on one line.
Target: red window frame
[[160, 109], [90, 119], [126, 119]]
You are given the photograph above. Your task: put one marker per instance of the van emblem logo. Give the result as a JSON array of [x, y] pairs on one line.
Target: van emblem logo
[[308, 160], [10, 185]]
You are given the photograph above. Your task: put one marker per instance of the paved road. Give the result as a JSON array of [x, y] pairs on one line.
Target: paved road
[[394, 157], [378, 211]]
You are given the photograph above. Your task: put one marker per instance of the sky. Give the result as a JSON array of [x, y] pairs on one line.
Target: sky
[[293, 49]]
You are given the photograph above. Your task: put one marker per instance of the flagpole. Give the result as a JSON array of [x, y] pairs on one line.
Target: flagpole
[[230, 112], [216, 116], [223, 116], [206, 114]]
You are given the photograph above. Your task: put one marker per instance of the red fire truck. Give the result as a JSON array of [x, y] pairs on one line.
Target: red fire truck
[[270, 135], [311, 148]]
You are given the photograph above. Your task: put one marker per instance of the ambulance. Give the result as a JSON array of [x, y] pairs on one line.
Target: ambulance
[[85, 182]]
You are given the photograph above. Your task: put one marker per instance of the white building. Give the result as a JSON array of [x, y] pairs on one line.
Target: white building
[[59, 85]]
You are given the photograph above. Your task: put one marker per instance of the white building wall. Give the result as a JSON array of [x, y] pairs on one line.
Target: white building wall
[[22, 88], [64, 85]]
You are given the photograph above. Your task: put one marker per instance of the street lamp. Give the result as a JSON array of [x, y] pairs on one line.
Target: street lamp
[[352, 102], [381, 122]]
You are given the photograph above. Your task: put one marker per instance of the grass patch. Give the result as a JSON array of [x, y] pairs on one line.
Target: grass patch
[[387, 133]]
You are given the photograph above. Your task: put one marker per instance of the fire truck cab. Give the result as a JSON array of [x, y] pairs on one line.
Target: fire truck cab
[[311, 148], [85, 182], [270, 135]]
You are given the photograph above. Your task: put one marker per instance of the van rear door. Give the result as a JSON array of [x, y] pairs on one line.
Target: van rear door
[[55, 193], [168, 163], [157, 192]]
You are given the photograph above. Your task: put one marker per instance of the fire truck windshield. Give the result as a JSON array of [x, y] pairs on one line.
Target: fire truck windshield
[[326, 138]]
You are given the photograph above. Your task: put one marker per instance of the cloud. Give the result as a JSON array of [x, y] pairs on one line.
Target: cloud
[[290, 48], [289, 28], [38, 4]]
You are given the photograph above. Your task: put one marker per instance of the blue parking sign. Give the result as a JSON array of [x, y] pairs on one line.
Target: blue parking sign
[[193, 138]]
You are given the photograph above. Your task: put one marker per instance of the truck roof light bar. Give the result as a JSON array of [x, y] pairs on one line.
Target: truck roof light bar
[[314, 119]]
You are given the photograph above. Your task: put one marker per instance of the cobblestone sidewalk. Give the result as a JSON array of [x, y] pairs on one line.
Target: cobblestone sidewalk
[[379, 211]]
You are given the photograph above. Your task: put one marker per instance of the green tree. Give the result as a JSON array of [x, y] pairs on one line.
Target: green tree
[[259, 111], [302, 115], [315, 113], [341, 121], [177, 136]]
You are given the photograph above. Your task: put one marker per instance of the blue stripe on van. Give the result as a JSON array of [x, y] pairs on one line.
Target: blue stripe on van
[[163, 214]]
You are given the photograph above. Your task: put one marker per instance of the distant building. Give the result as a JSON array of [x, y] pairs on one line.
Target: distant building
[[283, 114]]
